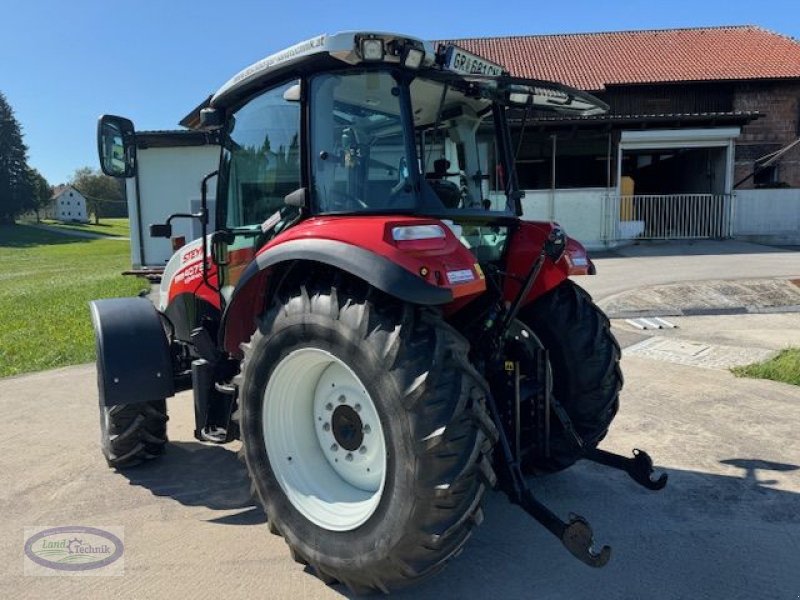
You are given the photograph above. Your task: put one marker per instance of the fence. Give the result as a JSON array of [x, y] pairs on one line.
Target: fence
[[675, 216]]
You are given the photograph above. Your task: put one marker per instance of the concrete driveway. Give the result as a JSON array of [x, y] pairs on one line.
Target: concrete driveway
[[726, 526], [657, 263]]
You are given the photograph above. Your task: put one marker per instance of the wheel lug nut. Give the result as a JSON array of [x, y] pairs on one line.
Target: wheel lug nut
[[349, 456], [342, 398], [363, 449], [329, 406], [326, 426], [367, 429], [357, 407], [334, 447]]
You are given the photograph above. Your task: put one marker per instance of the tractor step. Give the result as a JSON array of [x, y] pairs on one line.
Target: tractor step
[[212, 435]]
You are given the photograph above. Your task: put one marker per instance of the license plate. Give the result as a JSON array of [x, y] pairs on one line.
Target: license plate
[[465, 62], [460, 276]]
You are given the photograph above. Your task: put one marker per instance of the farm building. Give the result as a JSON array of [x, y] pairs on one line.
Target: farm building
[[67, 204], [702, 139]]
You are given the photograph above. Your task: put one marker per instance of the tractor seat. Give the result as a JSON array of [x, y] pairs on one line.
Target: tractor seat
[[447, 191]]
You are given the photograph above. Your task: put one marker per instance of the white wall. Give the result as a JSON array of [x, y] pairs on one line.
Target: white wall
[[768, 216], [581, 212], [169, 179]]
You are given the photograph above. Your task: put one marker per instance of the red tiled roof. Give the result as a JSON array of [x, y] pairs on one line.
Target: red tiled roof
[[591, 61], [59, 189]]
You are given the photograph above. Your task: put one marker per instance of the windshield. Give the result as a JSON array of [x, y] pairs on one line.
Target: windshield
[[366, 155]]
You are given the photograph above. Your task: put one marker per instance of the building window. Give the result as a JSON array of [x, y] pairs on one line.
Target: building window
[[766, 176], [581, 160]]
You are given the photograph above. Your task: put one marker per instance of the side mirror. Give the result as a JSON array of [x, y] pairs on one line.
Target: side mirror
[[211, 118], [161, 231], [116, 146]]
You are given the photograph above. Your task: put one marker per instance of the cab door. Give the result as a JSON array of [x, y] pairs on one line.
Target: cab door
[[261, 165]]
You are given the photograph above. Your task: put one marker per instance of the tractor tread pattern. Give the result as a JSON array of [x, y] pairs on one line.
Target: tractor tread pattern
[[584, 356], [133, 433], [454, 434]]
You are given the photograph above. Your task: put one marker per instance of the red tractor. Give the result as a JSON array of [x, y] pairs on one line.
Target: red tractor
[[370, 317]]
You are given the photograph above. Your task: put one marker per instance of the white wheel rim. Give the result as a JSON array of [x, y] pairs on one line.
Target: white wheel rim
[[324, 439]]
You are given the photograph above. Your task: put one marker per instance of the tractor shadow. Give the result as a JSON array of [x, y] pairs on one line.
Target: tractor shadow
[[703, 536], [196, 474]]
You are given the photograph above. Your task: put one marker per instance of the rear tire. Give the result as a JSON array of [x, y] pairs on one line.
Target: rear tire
[[584, 358], [411, 368], [133, 433]]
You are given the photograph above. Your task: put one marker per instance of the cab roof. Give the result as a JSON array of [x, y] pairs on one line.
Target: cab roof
[[326, 51], [346, 47]]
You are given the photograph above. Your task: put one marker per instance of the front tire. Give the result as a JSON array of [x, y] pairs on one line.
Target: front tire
[[318, 352], [131, 434], [584, 358]]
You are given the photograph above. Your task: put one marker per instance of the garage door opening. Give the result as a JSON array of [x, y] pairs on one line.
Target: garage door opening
[[676, 184]]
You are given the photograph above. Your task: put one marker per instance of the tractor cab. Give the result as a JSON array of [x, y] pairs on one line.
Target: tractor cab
[[361, 124], [373, 124]]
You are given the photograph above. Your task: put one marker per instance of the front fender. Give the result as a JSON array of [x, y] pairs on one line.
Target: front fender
[[133, 358]]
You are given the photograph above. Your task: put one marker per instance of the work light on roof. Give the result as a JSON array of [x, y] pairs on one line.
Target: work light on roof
[[413, 57], [372, 49]]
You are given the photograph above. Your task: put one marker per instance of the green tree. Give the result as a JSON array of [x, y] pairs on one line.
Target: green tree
[[98, 189], [15, 185], [41, 192]]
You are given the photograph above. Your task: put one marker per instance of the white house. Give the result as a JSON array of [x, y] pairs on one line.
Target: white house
[[67, 204]]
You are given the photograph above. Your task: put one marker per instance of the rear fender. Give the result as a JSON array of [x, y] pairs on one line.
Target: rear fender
[[360, 247], [133, 357], [524, 248], [250, 297]]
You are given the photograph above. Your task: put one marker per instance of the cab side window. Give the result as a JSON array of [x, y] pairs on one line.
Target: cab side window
[[263, 148]]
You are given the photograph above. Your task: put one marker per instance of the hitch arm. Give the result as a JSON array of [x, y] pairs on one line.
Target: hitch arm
[[576, 535], [640, 467]]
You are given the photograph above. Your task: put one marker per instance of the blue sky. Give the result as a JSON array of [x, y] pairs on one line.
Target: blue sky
[[63, 63]]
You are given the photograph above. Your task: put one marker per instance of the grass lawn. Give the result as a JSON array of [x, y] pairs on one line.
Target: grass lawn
[[784, 367], [107, 226], [46, 281]]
